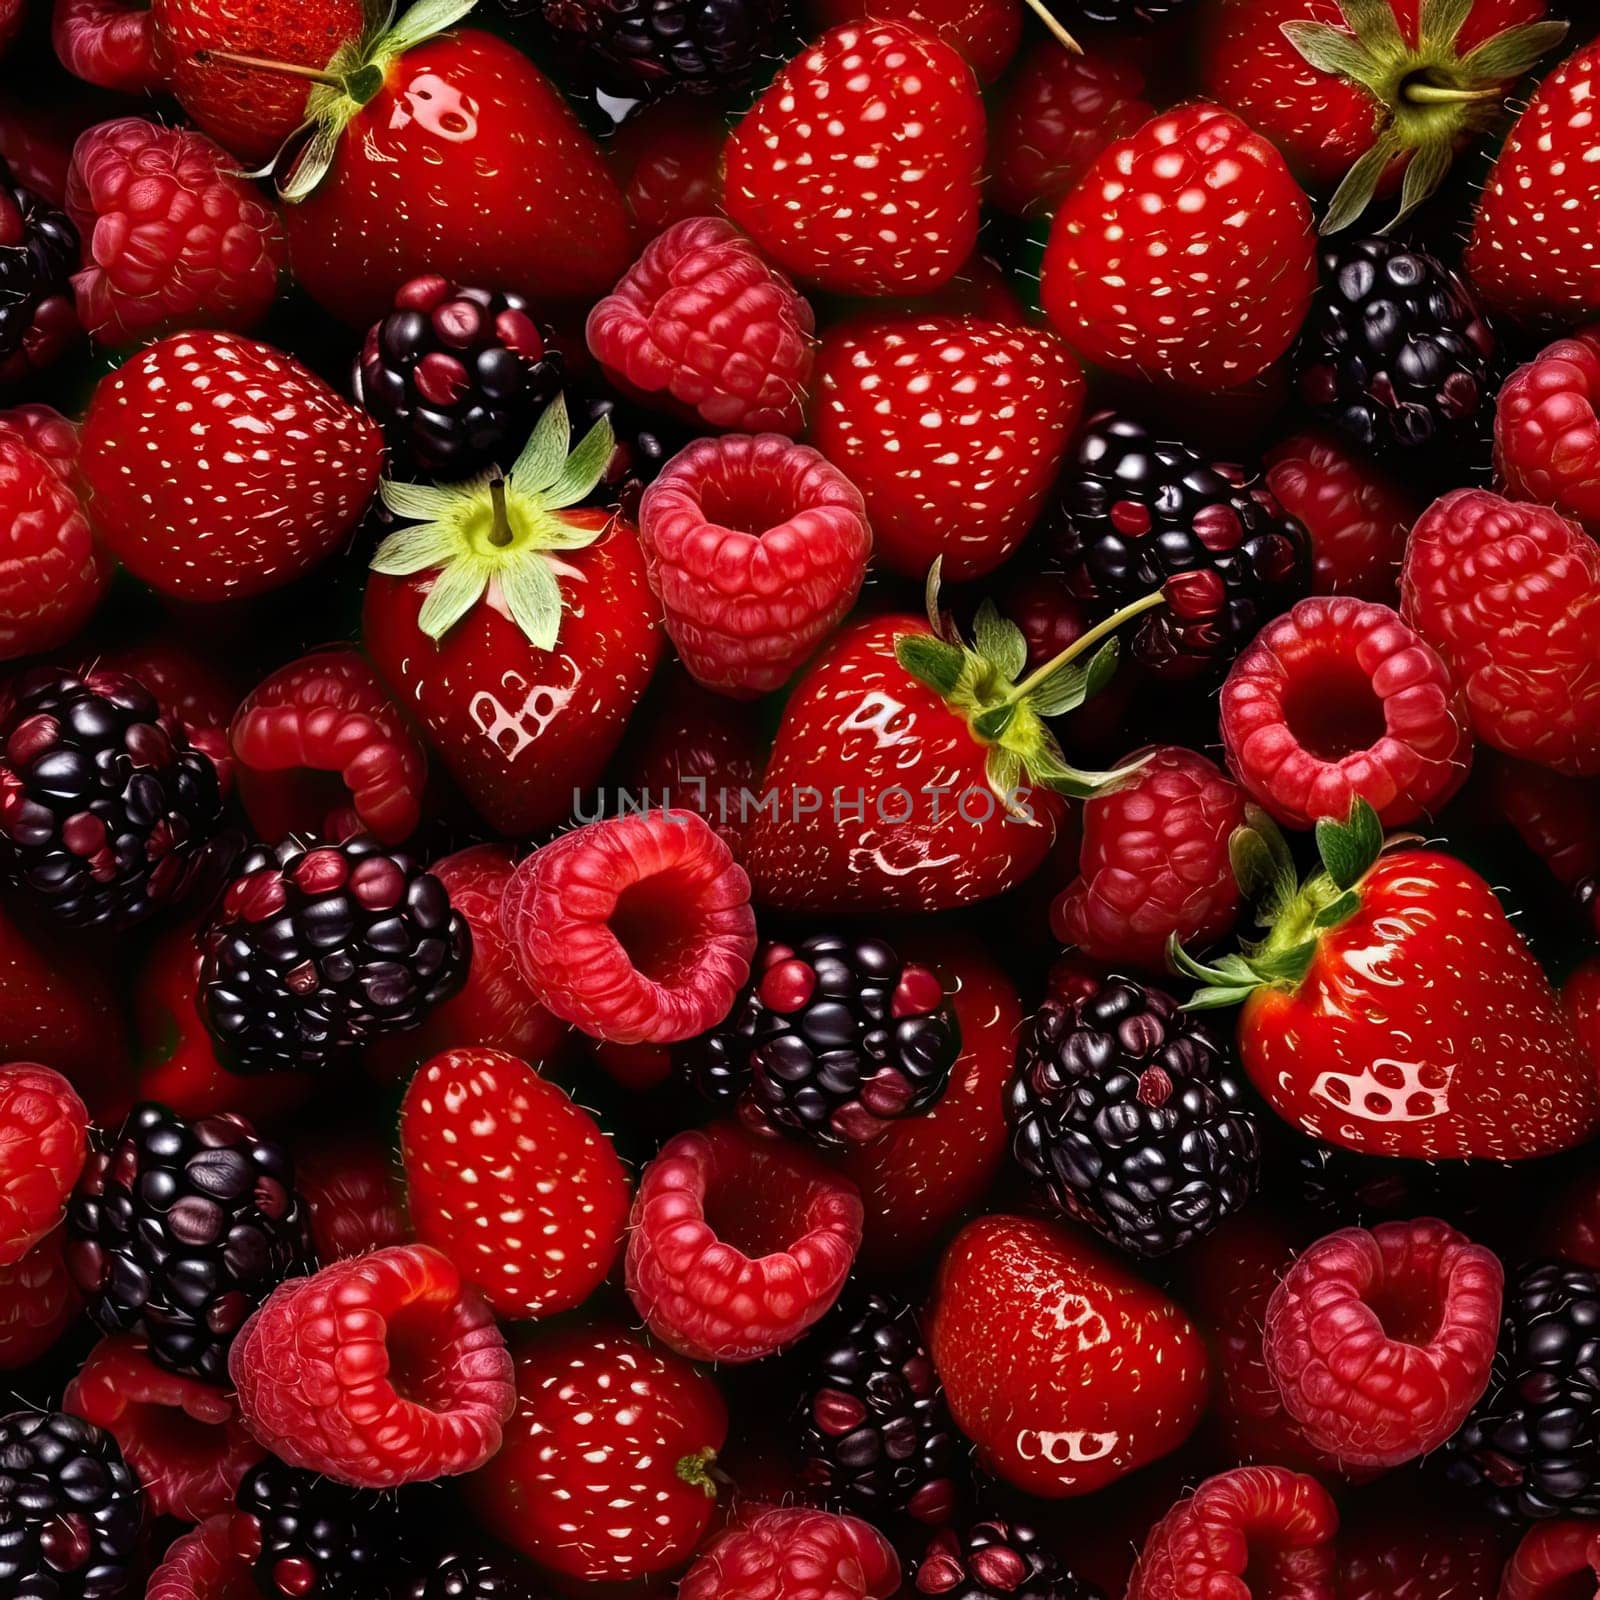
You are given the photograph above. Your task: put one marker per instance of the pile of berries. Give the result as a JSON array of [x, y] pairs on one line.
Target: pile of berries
[[800, 800]]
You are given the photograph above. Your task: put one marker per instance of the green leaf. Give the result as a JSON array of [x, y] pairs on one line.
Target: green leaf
[[1048, 767], [999, 641], [1354, 195], [931, 661], [1286, 966], [310, 164], [1372, 21], [1332, 50], [1348, 848], [1337, 911], [419, 502], [423, 21], [1102, 668], [584, 468], [454, 593], [415, 549], [1003, 770], [533, 597], [1263, 868], [1510, 54], [1441, 21], [930, 602], [1063, 690], [991, 724], [545, 453], [1424, 173], [1225, 982]]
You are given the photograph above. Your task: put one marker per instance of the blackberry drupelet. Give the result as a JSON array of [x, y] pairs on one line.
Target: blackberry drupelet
[[1394, 351], [107, 813], [455, 377], [875, 1435], [474, 1576], [38, 255], [1531, 1447], [645, 444], [318, 949], [71, 1512], [830, 1041], [1140, 515], [995, 1560], [1131, 1114], [177, 1230]]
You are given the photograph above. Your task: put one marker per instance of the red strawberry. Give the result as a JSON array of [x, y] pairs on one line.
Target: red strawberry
[[109, 43], [986, 32], [953, 428], [858, 169], [1065, 1370], [605, 1472], [519, 633], [1393, 1007], [1581, 996], [1185, 254]]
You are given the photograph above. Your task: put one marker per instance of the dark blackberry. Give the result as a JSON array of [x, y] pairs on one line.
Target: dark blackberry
[[107, 813], [71, 1513], [1394, 351], [318, 949], [830, 1040], [875, 1435], [38, 255], [1131, 1114], [1140, 515], [455, 377], [177, 1230], [995, 1560], [470, 1577], [645, 444], [314, 1539], [1114, 12], [1348, 1188], [1586, 896], [1531, 1447]]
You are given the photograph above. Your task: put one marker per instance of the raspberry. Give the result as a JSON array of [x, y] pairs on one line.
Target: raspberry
[[1357, 518], [376, 1372], [756, 547], [1154, 862], [38, 1301], [535, 1221], [201, 1565], [792, 1553], [42, 1149], [183, 1438], [353, 1201], [1551, 1559], [637, 929], [173, 236], [1337, 701], [701, 319], [1509, 595], [1546, 433], [1275, 1525], [1381, 1342], [737, 1246], [109, 43], [323, 750]]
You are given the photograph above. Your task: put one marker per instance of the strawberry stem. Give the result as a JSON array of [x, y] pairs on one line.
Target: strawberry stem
[[1087, 642], [501, 533], [233, 58], [1435, 94], [1047, 17], [699, 1471]]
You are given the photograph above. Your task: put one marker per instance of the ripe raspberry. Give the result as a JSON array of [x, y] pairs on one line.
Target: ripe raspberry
[[354, 1200], [1546, 434], [1276, 1526], [183, 1438], [702, 320], [38, 1300], [173, 236], [1357, 518], [1154, 862], [1380, 1343], [42, 1150], [638, 929], [792, 1553], [1337, 701], [376, 1372], [756, 547], [1555, 1559], [201, 1565], [534, 1220], [1509, 595], [323, 750], [109, 43], [737, 1246]]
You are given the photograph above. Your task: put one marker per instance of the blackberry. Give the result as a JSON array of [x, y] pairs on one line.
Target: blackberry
[[995, 1560], [1394, 351], [1114, 12], [645, 444], [38, 255], [829, 1041], [1531, 1447], [1131, 1114], [318, 949], [107, 813], [455, 377], [71, 1513], [177, 1230], [875, 1434], [473, 1576], [1139, 515]]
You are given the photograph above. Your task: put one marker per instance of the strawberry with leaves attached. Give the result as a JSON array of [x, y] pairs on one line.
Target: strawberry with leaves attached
[[516, 626]]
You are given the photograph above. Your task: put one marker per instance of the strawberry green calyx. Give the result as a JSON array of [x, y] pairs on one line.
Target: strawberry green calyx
[[984, 682], [501, 531], [1429, 96]]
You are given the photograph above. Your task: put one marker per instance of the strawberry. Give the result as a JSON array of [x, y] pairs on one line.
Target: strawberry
[[858, 169], [1185, 254], [1065, 1370], [953, 428], [1393, 1007], [518, 632], [986, 32]]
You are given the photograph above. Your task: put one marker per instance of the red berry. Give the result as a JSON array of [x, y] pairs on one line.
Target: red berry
[[702, 321], [668, 158], [512, 1181], [1555, 1561], [1509, 595], [202, 1565], [354, 1199], [756, 547], [379, 1371], [738, 1245], [793, 1553], [604, 1473], [986, 32], [1546, 434], [109, 43], [1339, 700], [38, 1302], [1405, 1555], [1154, 863], [1258, 1531], [43, 1125]]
